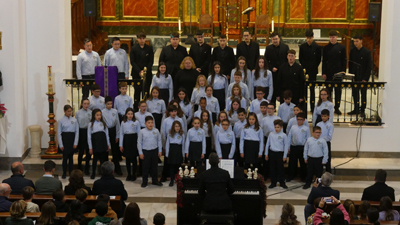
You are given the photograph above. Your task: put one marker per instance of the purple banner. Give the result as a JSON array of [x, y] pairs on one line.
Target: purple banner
[[107, 78]]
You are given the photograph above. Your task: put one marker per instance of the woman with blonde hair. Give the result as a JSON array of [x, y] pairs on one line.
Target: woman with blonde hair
[[288, 217], [186, 77], [17, 212]]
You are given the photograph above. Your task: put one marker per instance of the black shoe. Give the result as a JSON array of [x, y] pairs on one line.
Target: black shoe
[[272, 186], [338, 112], [133, 178], [157, 183], [306, 186], [92, 177], [171, 183], [289, 179], [144, 185], [129, 177], [163, 179], [354, 112], [284, 186]]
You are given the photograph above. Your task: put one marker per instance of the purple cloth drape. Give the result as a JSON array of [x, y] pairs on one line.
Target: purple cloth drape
[[109, 88]]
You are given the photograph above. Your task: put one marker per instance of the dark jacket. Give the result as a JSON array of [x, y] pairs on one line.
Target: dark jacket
[[276, 57], [333, 60], [47, 185], [322, 191], [185, 79], [291, 78], [17, 182], [173, 58], [201, 56], [140, 58], [71, 191], [219, 187], [310, 58], [226, 57], [61, 206], [376, 191], [5, 204], [363, 58], [12, 221], [251, 52]]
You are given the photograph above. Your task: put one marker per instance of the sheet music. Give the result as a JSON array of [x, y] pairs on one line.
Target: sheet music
[[226, 164]]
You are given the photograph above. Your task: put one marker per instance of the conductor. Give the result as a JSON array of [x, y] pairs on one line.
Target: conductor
[[215, 187]]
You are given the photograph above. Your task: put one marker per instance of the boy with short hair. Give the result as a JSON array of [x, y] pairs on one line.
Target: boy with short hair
[[96, 101], [263, 111], [237, 130], [276, 152], [149, 147], [27, 194], [116, 56], [159, 219], [315, 155], [142, 113], [110, 116], [256, 103], [59, 201], [299, 133], [101, 211], [122, 101], [293, 120], [81, 195], [110, 213], [285, 110], [326, 133], [238, 80]]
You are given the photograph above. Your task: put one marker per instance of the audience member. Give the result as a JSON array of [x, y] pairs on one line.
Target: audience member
[[132, 215], [75, 213], [288, 217], [5, 191], [106, 199], [48, 215], [350, 208], [17, 181], [322, 189], [59, 200], [81, 195], [378, 190], [76, 182], [387, 213], [17, 212], [101, 211], [310, 219], [73, 222], [109, 185], [159, 219], [373, 216], [27, 194], [362, 210], [47, 184], [339, 216]]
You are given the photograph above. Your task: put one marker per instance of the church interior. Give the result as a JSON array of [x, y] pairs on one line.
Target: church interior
[[38, 34]]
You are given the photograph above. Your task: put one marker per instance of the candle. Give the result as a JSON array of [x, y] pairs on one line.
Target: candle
[[179, 24], [49, 80], [272, 24]]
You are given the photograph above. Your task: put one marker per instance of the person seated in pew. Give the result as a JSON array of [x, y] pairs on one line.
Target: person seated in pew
[[288, 217], [59, 200], [215, 187], [362, 210], [339, 215], [350, 208], [75, 213], [131, 216], [17, 212], [378, 190], [101, 211], [47, 184], [73, 222], [5, 191], [17, 181], [106, 199], [48, 215], [27, 194], [373, 216], [159, 219], [81, 195], [387, 213], [76, 182], [310, 219]]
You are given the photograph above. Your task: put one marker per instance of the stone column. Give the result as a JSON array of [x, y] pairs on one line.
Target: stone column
[[35, 141]]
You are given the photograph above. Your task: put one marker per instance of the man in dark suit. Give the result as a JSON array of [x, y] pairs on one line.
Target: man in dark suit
[[17, 181], [379, 189], [141, 56], [334, 61], [360, 64], [225, 55], [111, 186], [291, 77], [322, 189], [5, 204], [173, 55], [248, 49], [276, 55], [216, 186], [310, 58], [201, 54]]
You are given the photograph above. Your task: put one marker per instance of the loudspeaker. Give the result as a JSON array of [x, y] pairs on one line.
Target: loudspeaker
[[374, 14], [89, 7]]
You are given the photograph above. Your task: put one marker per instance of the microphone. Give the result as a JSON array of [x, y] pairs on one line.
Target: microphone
[[355, 63], [248, 10]]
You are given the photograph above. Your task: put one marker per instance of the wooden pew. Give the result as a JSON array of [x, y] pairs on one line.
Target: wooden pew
[[35, 215], [355, 222], [91, 200], [396, 205]]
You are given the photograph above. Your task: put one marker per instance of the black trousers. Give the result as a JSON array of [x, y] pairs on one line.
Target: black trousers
[[338, 93], [86, 88], [88, 157], [314, 166], [312, 77], [276, 167], [166, 168], [131, 165], [98, 156], [238, 159], [284, 127], [296, 154], [263, 165], [328, 163], [68, 159], [356, 98], [116, 153], [150, 162], [173, 169]]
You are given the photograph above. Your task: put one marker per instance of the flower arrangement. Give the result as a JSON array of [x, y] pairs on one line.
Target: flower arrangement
[[180, 190], [2, 110], [263, 193]]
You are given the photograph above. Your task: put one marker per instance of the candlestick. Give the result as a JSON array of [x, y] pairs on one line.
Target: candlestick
[[49, 80], [272, 24], [179, 24]]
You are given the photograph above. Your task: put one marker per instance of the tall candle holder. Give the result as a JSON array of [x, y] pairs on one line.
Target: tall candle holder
[[52, 149]]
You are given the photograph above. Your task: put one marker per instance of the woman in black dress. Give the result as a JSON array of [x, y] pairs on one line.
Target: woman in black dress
[[186, 77]]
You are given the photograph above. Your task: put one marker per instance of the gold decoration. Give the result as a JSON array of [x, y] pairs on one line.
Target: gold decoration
[[1, 46]]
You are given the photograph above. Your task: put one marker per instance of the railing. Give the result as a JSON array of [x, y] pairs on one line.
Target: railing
[[373, 100], [76, 89]]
